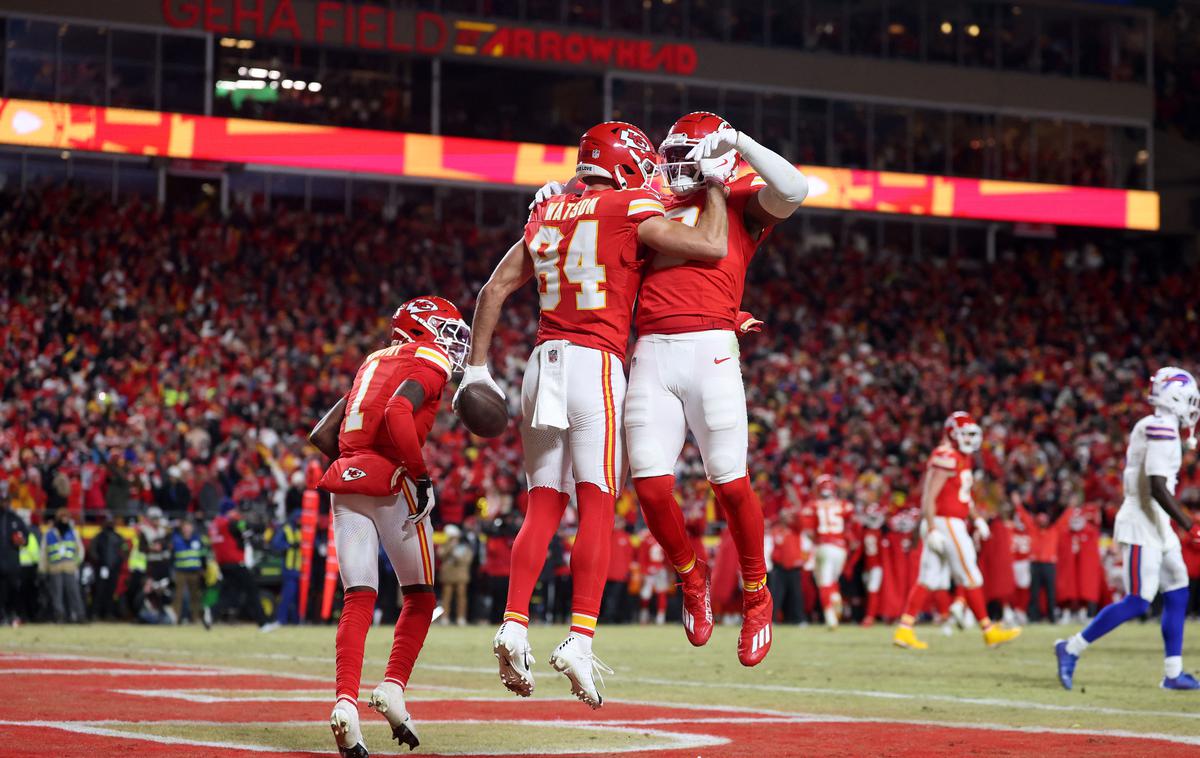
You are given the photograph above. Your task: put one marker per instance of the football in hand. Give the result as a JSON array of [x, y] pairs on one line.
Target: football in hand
[[482, 410]]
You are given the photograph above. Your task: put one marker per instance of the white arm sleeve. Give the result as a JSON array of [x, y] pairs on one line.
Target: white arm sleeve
[[786, 185]]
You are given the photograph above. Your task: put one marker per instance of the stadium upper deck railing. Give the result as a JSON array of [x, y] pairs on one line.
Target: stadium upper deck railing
[[465, 161]]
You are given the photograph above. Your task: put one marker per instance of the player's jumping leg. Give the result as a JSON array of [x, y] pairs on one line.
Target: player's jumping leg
[[511, 644], [358, 554], [655, 429], [746, 526], [665, 521], [589, 566], [715, 409], [597, 447]]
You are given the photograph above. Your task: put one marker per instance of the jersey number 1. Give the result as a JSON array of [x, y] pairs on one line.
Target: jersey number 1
[[579, 267]]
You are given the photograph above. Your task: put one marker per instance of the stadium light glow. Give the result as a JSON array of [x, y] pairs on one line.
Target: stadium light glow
[[497, 163], [973, 30], [947, 27]]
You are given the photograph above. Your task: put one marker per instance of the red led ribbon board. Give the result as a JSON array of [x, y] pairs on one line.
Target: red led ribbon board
[[494, 162]]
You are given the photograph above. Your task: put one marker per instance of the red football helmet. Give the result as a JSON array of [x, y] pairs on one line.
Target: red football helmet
[[433, 319], [824, 486], [963, 432], [618, 151], [683, 176]]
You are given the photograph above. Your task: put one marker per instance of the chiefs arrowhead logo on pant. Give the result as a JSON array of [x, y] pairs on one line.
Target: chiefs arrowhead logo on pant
[[350, 474]]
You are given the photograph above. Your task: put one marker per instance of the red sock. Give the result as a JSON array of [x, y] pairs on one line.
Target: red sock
[[917, 597], [662, 602], [415, 617], [826, 594], [872, 605], [745, 517], [357, 610], [665, 520], [1020, 598], [978, 606], [546, 508], [941, 602], [589, 556]]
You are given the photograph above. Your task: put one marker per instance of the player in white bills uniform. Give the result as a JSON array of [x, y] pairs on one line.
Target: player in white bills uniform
[[587, 253], [1150, 547], [826, 521]]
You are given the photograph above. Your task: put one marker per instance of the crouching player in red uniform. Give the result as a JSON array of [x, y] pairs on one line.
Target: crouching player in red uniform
[[382, 494], [946, 504]]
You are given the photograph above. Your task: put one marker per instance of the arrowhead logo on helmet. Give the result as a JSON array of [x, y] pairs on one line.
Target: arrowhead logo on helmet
[[433, 319], [617, 151], [352, 474]]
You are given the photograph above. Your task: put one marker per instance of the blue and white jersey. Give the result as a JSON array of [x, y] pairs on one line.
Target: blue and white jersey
[[1155, 449]]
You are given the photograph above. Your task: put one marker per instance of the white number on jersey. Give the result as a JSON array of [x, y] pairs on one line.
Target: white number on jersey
[[579, 267], [829, 517], [967, 477], [354, 416]]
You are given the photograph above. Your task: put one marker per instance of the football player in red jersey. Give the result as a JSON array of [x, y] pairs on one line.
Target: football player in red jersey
[[587, 253], [946, 505], [826, 521], [872, 521], [382, 494], [687, 372]]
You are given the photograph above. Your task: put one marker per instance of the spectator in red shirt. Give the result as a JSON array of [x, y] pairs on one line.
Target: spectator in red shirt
[[227, 534], [615, 606], [787, 557], [1042, 528]]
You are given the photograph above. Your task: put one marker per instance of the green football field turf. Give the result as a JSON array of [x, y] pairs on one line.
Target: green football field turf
[[850, 672]]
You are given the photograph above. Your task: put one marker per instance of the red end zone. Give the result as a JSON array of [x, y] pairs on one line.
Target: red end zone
[[67, 706]]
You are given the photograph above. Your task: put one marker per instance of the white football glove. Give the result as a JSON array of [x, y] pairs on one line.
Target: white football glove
[[719, 170], [936, 541], [714, 145], [547, 191], [426, 499], [477, 375], [982, 529]]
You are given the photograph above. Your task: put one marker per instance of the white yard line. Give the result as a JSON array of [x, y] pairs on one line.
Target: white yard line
[[666, 740]]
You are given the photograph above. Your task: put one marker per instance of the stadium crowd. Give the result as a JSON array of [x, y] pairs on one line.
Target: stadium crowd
[[161, 369]]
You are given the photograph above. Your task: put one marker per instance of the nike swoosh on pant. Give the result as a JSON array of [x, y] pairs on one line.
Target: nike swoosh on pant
[[719, 361]]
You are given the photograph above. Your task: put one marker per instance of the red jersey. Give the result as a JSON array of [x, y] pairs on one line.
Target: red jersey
[[829, 519], [1022, 543], [872, 542], [588, 264], [955, 499], [690, 296], [378, 378]]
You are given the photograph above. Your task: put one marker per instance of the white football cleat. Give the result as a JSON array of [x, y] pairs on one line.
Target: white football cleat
[[573, 659], [511, 648], [388, 701], [346, 731]]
